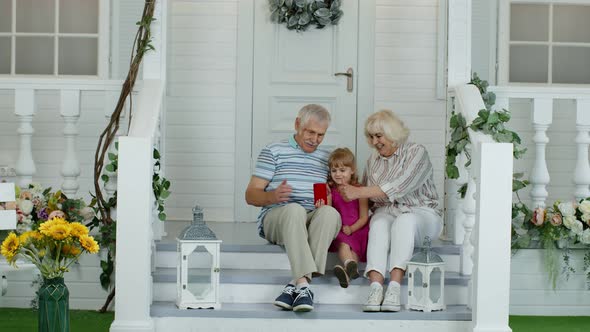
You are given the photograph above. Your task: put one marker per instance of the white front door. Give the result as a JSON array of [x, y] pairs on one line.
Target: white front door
[[292, 69]]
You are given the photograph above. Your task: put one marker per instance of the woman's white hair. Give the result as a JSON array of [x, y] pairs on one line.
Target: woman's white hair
[[388, 124], [314, 111]]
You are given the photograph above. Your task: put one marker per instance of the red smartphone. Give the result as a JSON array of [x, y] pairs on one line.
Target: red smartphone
[[320, 192]]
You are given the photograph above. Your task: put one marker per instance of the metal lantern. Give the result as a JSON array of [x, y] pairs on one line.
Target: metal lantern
[[198, 252], [426, 280]]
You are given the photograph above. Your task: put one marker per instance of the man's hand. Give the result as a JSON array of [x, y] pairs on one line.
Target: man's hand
[[282, 193]]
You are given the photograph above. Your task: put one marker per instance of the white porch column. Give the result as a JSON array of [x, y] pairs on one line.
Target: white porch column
[[542, 118], [459, 42], [70, 112], [24, 108], [133, 264], [491, 275], [582, 171]]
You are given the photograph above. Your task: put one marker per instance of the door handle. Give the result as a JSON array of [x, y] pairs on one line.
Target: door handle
[[348, 74]]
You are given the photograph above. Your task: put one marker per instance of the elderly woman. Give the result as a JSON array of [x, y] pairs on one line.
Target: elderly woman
[[398, 182]]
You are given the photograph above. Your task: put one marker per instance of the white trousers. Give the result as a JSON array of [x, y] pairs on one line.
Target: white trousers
[[397, 236]]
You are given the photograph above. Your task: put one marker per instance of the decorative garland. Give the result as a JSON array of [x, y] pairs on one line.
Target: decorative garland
[[300, 14], [557, 227]]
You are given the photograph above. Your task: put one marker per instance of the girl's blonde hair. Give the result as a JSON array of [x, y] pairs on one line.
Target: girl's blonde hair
[[387, 123], [342, 157]]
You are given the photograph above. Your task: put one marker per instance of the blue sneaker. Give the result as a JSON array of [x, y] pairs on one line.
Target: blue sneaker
[[304, 300], [285, 300]]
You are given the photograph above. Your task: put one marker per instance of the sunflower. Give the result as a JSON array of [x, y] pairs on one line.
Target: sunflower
[[59, 232], [78, 230], [89, 244], [69, 250], [10, 246]]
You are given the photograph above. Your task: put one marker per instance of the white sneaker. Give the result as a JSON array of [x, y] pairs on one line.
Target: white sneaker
[[391, 302], [374, 300]]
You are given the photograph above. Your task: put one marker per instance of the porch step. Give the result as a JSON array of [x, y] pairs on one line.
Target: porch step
[[262, 286], [324, 317], [270, 256]]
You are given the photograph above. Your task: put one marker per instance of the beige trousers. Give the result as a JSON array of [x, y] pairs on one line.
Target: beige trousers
[[306, 236]]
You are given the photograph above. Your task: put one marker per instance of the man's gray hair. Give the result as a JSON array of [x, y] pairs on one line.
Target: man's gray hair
[[315, 111]]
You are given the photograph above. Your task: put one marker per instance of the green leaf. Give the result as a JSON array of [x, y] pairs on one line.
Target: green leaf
[[322, 12], [110, 168], [105, 177], [162, 216], [463, 190], [156, 154], [112, 156], [517, 185], [164, 194]]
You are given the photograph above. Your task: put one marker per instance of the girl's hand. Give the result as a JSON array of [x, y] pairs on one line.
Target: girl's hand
[[346, 230], [319, 203]]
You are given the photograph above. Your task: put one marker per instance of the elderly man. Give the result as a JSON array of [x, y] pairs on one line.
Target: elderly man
[[282, 184]]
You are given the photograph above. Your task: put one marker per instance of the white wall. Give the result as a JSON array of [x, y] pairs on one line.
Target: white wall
[[201, 108], [405, 73]]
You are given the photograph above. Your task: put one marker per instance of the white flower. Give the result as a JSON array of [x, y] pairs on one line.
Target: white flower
[[568, 221], [585, 207], [566, 209], [25, 206], [585, 237], [87, 213], [577, 227]]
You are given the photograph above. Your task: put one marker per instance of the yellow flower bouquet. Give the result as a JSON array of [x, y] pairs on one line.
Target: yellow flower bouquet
[[52, 248]]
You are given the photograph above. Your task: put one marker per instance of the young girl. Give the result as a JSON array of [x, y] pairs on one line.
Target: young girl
[[351, 242]]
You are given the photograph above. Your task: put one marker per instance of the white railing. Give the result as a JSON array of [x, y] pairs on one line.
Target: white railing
[[25, 107], [486, 219], [542, 118]]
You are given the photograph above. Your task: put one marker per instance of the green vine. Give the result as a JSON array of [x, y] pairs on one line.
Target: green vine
[[300, 14], [488, 122]]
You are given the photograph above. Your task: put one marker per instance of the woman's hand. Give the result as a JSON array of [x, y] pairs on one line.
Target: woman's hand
[[348, 192]]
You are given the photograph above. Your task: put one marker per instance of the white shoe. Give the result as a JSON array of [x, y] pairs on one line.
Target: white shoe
[[391, 302], [374, 300]]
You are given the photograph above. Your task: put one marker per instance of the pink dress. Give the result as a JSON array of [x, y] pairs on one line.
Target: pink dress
[[349, 212]]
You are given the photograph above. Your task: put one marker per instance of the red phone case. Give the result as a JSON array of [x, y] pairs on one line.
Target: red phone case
[[320, 192]]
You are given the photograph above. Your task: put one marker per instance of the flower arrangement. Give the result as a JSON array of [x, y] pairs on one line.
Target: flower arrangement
[[52, 248], [300, 14], [559, 226], [35, 205]]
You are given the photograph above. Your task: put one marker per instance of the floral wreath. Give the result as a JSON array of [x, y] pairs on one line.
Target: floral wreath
[[300, 14]]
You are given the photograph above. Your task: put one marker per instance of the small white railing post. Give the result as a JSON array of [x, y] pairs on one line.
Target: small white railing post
[[70, 112], [468, 224], [491, 275], [542, 118], [582, 171], [24, 108], [459, 223]]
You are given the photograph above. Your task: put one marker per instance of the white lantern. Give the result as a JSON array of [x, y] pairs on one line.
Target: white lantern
[[199, 251], [7, 217], [426, 280]]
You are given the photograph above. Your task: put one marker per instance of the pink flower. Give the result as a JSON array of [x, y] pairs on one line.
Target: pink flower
[[538, 216], [556, 219], [56, 214], [26, 195]]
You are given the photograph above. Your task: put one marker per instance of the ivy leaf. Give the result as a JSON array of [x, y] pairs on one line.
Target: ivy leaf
[[322, 12], [300, 3], [463, 190], [112, 156], [304, 19], [452, 171], [293, 21], [104, 177], [517, 185], [454, 122], [162, 216], [164, 194], [110, 168]]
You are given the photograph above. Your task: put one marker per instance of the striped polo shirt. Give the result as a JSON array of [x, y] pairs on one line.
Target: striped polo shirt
[[285, 160]]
